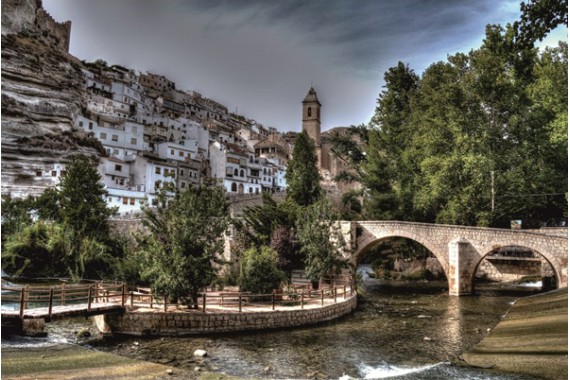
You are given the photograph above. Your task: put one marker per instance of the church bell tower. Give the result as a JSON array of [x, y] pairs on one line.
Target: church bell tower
[[312, 117]]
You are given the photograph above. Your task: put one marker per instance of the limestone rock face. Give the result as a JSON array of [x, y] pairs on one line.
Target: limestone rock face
[[42, 93]]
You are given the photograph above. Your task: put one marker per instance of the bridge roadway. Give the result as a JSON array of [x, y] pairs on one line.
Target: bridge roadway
[[459, 249]]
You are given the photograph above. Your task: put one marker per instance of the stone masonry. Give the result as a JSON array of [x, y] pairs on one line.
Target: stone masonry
[[459, 249], [193, 323]]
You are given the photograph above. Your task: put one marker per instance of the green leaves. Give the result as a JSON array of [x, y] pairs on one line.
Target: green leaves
[[434, 142], [259, 271], [303, 179], [184, 242], [322, 244]]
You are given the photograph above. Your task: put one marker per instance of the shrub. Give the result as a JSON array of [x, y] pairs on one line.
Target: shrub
[[259, 271]]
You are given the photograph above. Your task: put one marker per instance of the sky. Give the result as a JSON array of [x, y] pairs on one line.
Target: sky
[[260, 57]]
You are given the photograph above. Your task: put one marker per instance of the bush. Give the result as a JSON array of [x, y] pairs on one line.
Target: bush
[[259, 271]]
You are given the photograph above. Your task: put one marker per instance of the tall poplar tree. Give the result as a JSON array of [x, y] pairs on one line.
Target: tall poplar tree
[[303, 179]]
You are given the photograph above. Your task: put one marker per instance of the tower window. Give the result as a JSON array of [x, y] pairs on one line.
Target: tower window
[[309, 111]]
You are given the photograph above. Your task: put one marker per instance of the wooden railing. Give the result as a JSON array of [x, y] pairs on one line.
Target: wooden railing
[[236, 300], [33, 297]]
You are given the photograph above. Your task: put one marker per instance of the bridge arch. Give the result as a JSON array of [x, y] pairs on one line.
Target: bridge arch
[[366, 245], [487, 250], [460, 249]]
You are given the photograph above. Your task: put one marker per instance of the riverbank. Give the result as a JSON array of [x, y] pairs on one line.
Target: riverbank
[[66, 362], [531, 340]]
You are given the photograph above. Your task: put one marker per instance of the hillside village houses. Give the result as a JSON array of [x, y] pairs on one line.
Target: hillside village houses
[[153, 133]]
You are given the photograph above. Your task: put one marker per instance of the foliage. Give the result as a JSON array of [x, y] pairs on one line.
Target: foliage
[[75, 218], [272, 224], [478, 140], [15, 216], [303, 179], [82, 202], [29, 254], [538, 18], [284, 242], [184, 242], [322, 244], [259, 271]]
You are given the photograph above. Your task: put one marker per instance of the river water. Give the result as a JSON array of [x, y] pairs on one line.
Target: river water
[[396, 332]]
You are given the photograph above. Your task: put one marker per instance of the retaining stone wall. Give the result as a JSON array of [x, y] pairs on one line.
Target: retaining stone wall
[[194, 323]]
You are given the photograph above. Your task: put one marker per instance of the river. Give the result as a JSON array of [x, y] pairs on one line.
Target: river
[[396, 332]]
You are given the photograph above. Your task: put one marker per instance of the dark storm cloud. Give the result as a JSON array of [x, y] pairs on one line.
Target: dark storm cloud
[[261, 56]]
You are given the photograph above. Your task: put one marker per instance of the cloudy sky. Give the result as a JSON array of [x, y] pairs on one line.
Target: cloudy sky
[[261, 57]]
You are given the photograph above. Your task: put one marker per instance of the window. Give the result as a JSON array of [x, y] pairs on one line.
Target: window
[[90, 125], [118, 168], [235, 172], [157, 185], [251, 190], [157, 170], [115, 138], [309, 112], [115, 151], [234, 188], [132, 201], [241, 173], [125, 200], [38, 174], [81, 124], [133, 141], [181, 154], [103, 136], [172, 152], [182, 173], [53, 173], [183, 184]]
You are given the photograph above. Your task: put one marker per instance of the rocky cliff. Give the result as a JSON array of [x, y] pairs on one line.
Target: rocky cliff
[[42, 93]]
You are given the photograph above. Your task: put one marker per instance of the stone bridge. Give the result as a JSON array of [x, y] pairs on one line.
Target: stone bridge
[[460, 249]]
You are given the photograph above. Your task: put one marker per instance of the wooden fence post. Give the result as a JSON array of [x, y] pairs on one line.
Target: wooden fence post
[[334, 290], [322, 297], [273, 300], [344, 291], [151, 297], [27, 295], [123, 291], [63, 294], [165, 303], [89, 294], [50, 302], [132, 296], [302, 299], [22, 302], [240, 302], [204, 301]]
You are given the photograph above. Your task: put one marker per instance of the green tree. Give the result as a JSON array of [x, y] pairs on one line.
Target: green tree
[[322, 244], [82, 201], [303, 179], [538, 18], [259, 271], [387, 171], [15, 216], [185, 241], [29, 254]]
